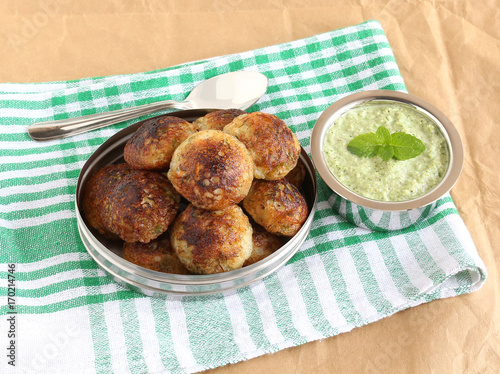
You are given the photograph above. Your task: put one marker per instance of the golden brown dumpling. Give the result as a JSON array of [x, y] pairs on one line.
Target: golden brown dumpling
[[97, 187], [276, 205], [297, 175], [156, 255], [263, 244], [273, 145], [153, 144], [212, 241], [141, 206], [217, 120], [212, 170]]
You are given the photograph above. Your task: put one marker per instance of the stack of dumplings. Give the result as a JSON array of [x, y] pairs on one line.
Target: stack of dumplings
[[205, 197]]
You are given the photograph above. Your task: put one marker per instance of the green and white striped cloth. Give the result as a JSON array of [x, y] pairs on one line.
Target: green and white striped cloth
[[71, 318]]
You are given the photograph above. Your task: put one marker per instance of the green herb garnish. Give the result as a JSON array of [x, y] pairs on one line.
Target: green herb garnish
[[399, 145]]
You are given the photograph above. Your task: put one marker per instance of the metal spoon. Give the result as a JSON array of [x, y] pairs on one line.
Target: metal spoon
[[239, 90]]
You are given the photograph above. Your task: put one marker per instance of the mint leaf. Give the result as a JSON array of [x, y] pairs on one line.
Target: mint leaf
[[399, 145], [385, 152], [364, 145], [406, 146], [384, 135]]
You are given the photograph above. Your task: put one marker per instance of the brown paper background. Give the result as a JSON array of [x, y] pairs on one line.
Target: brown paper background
[[448, 53]]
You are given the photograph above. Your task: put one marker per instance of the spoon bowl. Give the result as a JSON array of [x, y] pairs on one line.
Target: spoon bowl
[[238, 90]]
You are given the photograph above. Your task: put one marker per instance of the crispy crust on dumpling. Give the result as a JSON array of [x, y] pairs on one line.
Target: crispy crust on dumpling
[[274, 147], [96, 188], [156, 255], [212, 170], [141, 206], [263, 244], [212, 241], [297, 175], [276, 205], [218, 119], [151, 147]]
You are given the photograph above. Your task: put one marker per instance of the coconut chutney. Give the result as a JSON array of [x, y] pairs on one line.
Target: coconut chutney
[[391, 180]]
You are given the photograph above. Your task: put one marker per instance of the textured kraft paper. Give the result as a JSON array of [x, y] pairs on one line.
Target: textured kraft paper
[[448, 53]]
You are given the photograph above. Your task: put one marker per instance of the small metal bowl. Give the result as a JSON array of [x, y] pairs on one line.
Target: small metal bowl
[[108, 253], [384, 215]]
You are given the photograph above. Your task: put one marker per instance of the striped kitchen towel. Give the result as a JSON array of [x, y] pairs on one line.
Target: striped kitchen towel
[[63, 314]]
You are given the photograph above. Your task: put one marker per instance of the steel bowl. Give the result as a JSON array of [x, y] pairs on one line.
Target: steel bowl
[[385, 215], [108, 253]]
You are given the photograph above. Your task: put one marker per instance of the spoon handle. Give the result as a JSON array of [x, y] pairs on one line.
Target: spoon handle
[[71, 126]]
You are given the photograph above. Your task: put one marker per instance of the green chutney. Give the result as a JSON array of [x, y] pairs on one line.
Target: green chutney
[[390, 180]]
